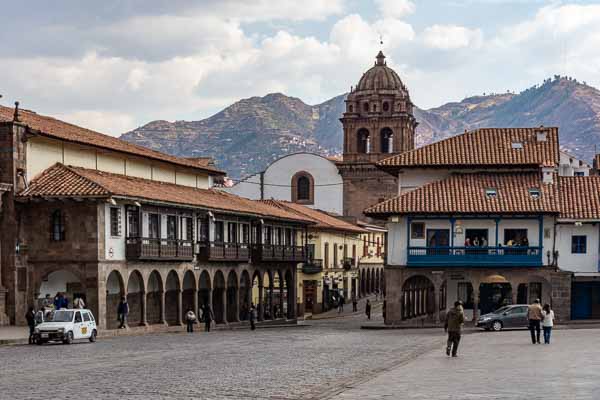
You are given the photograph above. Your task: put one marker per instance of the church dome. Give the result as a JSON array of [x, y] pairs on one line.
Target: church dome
[[380, 77]]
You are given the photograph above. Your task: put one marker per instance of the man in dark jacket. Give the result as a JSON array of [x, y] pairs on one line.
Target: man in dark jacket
[[30, 317], [207, 316], [122, 312], [455, 318]]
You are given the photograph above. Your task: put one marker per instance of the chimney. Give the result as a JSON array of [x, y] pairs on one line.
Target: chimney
[[548, 174], [541, 134]]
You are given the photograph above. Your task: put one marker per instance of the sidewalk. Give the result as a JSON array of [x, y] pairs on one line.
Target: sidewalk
[[333, 313]]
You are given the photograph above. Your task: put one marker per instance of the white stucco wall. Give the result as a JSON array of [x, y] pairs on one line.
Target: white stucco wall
[[587, 262], [278, 178], [115, 245]]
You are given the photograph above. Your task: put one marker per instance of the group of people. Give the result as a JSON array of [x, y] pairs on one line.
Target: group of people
[[476, 242], [538, 317]]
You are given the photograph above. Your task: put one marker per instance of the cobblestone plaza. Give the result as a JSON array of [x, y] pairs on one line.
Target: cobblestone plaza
[[328, 359]]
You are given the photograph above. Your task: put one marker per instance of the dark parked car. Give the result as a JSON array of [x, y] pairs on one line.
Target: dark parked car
[[513, 316]]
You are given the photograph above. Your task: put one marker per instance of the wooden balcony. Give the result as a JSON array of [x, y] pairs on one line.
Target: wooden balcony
[[313, 266], [279, 253], [219, 251], [159, 249], [475, 256]]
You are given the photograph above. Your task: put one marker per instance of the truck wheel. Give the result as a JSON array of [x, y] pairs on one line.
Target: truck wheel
[[69, 339], [93, 337]]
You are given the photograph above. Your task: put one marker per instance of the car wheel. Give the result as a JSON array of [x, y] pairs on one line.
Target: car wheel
[[69, 338], [93, 337], [497, 326]]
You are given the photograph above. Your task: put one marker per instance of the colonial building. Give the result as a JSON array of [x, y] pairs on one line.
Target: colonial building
[[302, 178], [334, 249], [378, 123], [486, 217], [99, 218]]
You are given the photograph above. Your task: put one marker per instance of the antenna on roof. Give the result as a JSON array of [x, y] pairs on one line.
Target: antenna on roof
[[16, 114]]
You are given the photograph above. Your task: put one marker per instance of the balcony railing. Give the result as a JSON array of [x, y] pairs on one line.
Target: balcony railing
[[270, 252], [219, 251], [475, 256], [159, 249], [313, 266]]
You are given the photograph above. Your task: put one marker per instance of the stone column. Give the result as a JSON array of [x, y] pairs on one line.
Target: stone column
[[162, 320], [144, 310], [179, 320], [261, 305], [281, 298], [475, 304]]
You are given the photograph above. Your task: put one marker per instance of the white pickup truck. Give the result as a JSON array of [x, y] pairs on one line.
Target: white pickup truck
[[67, 325]]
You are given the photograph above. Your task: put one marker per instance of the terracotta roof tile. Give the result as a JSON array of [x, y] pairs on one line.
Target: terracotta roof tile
[[54, 128], [466, 194], [322, 219], [60, 181], [579, 197], [483, 147]]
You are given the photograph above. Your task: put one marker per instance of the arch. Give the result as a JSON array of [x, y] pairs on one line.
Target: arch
[[386, 136], [62, 281], [154, 298], [303, 188], [218, 297], [232, 297], [115, 290], [188, 293], [350, 108], [363, 141], [135, 298], [257, 293], [204, 289], [268, 295], [172, 292], [417, 297], [245, 296]]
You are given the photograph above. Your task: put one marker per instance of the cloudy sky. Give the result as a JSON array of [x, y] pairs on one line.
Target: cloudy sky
[[113, 65]]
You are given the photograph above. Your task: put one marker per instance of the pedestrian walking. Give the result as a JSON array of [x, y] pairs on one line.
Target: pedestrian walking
[[455, 318], [547, 322], [354, 304], [368, 309], [341, 305], [78, 302], [30, 317], [122, 312], [253, 317], [534, 314], [190, 320], [207, 316]]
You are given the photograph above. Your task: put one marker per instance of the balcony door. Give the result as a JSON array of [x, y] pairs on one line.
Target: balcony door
[[437, 238]]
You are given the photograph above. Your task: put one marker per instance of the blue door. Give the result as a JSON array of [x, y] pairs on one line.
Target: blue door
[[581, 300]]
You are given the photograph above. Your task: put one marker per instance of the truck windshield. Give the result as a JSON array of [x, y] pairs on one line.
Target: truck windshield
[[62, 316]]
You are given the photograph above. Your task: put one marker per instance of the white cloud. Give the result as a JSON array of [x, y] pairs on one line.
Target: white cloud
[[395, 8], [451, 37], [262, 10]]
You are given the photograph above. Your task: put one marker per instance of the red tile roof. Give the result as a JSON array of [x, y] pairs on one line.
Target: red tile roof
[[466, 194], [56, 129], [579, 197], [322, 219], [483, 147], [60, 181]]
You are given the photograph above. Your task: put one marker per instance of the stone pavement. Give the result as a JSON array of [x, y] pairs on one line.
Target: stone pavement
[[376, 307], [502, 365]]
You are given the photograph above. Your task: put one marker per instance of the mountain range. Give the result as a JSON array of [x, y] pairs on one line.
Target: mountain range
[[246, 136]]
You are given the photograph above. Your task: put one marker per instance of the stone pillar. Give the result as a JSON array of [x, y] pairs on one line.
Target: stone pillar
[[281, 299], [261, 305], [271, 290], [162, 320], [475, 304], [293, 295], [144, 310], [179, 320]]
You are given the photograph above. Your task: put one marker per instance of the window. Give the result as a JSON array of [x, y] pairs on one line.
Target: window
[[366, 107], [133, 223], [171, 227], [326, 255], [491, 193], [202, 227], [245, 233], [387, 140], [78, 317], [57, 226], [268, 234], [154, 226], [303, 188], [279, 236], [189, 228], [354, 252], [517, 145], [534, 193], [465, 294], [232, 232], [578, 244], [115, 221], [86, 317], [386, 106], [335, 255], [350, 108], [516, 237], [219, 231], [476, 237], [363, 144], [535, 291], [417, 230], [289, 237], [579, 173]]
